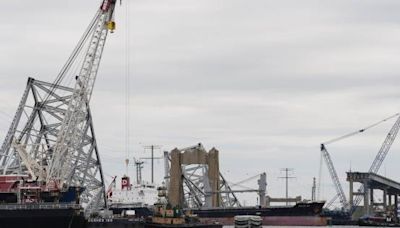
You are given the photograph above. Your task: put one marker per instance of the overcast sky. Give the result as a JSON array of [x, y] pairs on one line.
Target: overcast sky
[[265, 82]]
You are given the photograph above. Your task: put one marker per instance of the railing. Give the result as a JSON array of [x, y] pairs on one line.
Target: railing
[[40, 206]]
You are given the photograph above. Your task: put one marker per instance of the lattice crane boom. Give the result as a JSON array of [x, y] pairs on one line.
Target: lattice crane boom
[[383, 151], [334, 176], [71, 133]]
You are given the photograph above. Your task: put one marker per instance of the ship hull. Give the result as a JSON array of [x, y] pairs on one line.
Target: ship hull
[[41, 218], [154, 225], [274, 221], [132, 223], [302, 214], [115, 223]]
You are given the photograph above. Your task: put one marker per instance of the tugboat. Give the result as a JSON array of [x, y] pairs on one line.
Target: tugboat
[[377, 221], [386, 218], [167, 217]]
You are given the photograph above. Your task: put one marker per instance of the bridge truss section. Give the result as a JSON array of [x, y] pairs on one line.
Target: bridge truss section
[[197, 190], [36, 124]]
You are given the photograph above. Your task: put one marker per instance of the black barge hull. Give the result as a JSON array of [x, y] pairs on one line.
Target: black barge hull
[[302, 214], [41, 218]]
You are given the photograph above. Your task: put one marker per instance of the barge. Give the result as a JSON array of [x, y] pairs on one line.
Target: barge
[[301, 214]]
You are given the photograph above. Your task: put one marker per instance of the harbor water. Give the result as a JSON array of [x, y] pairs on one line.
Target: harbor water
[[298, 226]]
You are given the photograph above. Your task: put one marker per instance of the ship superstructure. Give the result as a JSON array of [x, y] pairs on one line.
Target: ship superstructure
[[133, 195], [137, 198]]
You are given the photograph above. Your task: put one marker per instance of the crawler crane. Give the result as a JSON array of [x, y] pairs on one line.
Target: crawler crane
[[383, 151]]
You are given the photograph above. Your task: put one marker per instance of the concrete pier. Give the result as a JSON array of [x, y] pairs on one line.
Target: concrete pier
[[371, 182]]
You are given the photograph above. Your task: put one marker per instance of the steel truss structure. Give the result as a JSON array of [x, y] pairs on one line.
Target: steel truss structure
[[197, 191], [196, 184], [36, 125]]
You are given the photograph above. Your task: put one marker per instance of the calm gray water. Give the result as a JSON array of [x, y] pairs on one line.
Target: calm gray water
[[296, 226]]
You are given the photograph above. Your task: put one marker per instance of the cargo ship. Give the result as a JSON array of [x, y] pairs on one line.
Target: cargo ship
[[25, 203], [136, 199], [301, 214], [129, 205], [41, 216]]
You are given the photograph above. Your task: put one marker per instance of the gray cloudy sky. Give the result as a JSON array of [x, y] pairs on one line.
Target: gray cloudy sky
[[263, 81]]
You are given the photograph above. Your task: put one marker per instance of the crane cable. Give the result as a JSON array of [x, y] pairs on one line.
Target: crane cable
[[127, 85], [77, 50], [361, 130], [65, 69]]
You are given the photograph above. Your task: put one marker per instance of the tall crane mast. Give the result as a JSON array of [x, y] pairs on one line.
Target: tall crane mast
[[70, 136]]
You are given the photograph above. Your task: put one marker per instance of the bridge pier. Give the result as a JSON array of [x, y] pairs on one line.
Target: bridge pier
[[366, 198], [370, 181], [384, 198], [351, 200], [396, 198]]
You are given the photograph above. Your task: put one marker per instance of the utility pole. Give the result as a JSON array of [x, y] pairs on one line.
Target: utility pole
[[152, 148], [287, 177]]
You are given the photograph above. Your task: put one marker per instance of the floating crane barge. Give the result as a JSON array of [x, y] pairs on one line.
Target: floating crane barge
[[50, 169]]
